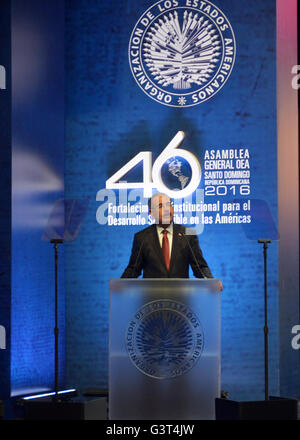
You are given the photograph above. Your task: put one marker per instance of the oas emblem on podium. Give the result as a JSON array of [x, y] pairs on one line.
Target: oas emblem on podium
[[164, 339]]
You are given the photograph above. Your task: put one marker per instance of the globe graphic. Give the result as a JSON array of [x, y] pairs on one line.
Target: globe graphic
[[176, 173]]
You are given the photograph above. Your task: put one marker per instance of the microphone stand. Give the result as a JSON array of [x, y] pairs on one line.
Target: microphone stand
[[265, 242], [55, 242], [195, 259]]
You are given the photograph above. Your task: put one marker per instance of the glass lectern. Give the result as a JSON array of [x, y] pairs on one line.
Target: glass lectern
[[164, 354]]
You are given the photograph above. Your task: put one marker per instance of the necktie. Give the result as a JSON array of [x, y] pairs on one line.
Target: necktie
[[165, 248]]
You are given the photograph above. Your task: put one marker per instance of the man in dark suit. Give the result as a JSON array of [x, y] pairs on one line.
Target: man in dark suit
[[163, 250]]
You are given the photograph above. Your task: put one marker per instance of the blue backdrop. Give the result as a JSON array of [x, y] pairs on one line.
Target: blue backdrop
[[109, 120]]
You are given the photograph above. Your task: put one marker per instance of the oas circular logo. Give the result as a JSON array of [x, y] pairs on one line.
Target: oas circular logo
[[182, 52], [164, 339]]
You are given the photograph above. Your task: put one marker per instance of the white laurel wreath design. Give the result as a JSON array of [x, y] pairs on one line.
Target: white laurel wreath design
[[181, 56]]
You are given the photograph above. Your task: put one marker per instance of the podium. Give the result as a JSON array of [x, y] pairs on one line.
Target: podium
[[164, 349]]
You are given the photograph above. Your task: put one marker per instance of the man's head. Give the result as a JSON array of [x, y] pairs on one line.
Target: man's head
[[161, 209]]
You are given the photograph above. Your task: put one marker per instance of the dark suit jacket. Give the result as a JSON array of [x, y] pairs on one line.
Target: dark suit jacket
[[147, 256]]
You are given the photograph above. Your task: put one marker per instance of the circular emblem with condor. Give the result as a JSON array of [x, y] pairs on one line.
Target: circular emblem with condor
[[182, 52], [164, 339]]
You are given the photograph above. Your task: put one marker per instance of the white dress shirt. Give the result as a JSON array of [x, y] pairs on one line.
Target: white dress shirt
[[159, 230]]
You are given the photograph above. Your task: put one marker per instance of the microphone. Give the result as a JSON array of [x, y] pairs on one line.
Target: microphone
[[137, 258], [200, 270]]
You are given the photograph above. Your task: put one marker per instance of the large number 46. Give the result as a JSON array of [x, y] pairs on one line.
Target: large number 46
[[152, 178]]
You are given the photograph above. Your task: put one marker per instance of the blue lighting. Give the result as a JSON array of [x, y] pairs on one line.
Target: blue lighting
[[36, 396]]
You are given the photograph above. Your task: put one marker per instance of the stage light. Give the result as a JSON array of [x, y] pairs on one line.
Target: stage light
[[37, 396]]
